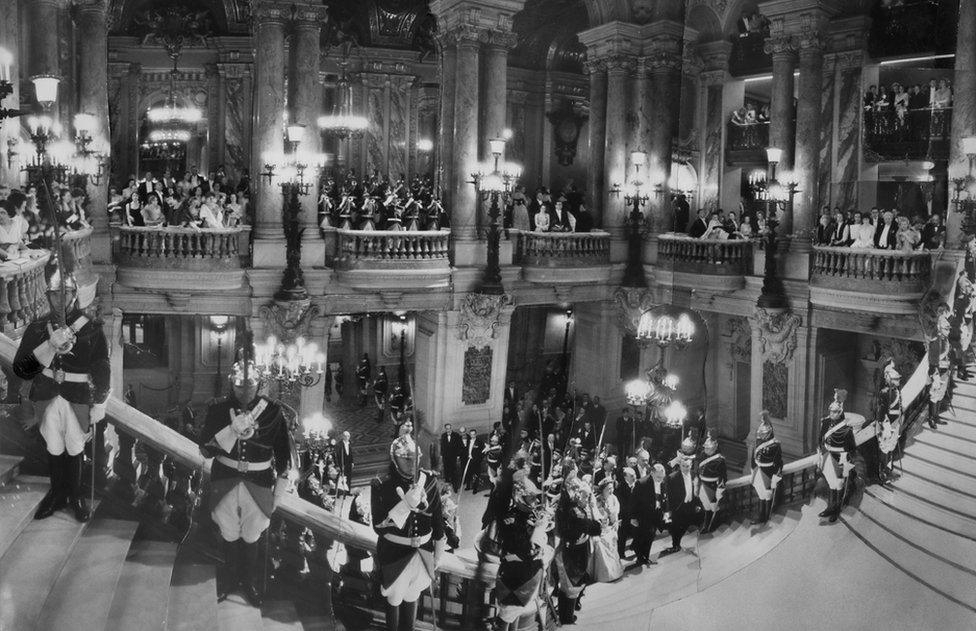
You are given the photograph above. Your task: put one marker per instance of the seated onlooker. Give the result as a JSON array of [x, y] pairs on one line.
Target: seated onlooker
[[934, 233], [885, 233], [841, 235], [152, 213], [862, 234]]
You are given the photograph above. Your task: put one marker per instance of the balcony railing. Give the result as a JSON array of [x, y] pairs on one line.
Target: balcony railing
[[706, 256], [562, 257], [365, 258], [171, 258], [22, 291], [887, 272], [751, 137], [911, 134]]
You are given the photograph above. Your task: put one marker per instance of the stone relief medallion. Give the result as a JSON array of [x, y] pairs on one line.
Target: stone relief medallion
[[631, 303], [288, 319], [480, 316], [777, 334]]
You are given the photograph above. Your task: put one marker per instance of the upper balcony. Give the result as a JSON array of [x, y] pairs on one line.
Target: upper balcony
[[879, 281], [22, 291], [708, 264], [563, 257], [912, 27], [746, 144], [749, 55], [393, 259], [908, 135], [173, 258]]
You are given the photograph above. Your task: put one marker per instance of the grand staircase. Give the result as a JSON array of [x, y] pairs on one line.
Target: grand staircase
[[113, 574], [925, 524]]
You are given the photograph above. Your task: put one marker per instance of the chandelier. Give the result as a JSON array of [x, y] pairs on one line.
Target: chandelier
[[665, 329], [299, 363], [656, 392], [343, 123], [315, 430]]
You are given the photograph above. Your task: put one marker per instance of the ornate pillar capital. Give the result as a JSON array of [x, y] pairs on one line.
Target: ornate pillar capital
[[310, 16], [782, 46], [593, 66], [810, 42], [715, 55], [714, 77], [617, 64], [97, 6], [499, 39], [269, 12], [662, 61]]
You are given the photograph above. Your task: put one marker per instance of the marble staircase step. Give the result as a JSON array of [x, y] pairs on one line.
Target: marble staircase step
[[940, 473], [919, 451], [18, 501], [913, 508], [962, 411], [940, 495], [280, 615], [145, 576], [9, 468], [192, 602], [946, 546], [86, 585], [235, 614], [945, 440], [962, 429], [935, 574], [30, 566]]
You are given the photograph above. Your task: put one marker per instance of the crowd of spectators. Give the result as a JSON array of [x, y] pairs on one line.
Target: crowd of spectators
[[379, 203], [26, 223], [192, 201], [908, 112], [880, 230], [542, 213]]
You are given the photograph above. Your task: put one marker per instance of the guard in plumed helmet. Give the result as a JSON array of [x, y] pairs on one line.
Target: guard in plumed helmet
[[767, 467], [523, 542], [65, 356], [888, 420], [713, 475], [409, 522], [247, 436], [940, 368], [575, 524], [837, 447], [682, 508]]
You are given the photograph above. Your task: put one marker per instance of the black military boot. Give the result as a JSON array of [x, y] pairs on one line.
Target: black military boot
[[250, 585], [55, 498], [76, 494], [831, 498], [392, 617], [228, 573], [567, 609], [760, 517], [408, 613], [705, 522]]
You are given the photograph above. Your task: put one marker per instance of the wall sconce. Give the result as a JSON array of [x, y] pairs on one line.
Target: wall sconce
[[963, 184], [12, 151], [46, 89]]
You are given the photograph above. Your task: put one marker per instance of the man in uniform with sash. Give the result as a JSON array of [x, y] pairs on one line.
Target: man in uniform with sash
[[65, 356], [713, 476], [940, 368], [767, 463], [575, 524], [409, 522], [247, 437], [888, 421], [836, 447], [523, 542]]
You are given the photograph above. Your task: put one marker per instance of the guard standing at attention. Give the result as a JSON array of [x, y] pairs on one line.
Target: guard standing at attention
[[836, 448], [713, 475], [247, 437], [767, 471]]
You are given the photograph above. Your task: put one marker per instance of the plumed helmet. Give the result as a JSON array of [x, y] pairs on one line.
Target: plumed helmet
[[710, 446], [404, 447], [58, 273], [244, 369], [837, 405], [765, 429], [890, 373], [688, 449], [524, 490]]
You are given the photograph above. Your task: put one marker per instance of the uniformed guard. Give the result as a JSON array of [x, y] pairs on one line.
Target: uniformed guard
[[363, 372], [575, 524], [836, 448], [65, 356], [523, 542], [247, 437], [713, 476], [888, 420], [493, 459], [767, 463], [940, 368], [381, 386], [409, 522]]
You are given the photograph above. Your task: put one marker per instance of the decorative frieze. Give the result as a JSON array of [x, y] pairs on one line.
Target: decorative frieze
[[480, 315], [777, 334]]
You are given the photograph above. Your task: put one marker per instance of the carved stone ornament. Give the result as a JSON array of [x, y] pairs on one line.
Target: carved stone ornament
[[740, 342], [631, 303], [566, 124], [777, 334], [288, 319], [480, 315]]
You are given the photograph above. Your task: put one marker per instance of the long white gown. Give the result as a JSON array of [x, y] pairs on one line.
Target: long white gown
[[605, 565]]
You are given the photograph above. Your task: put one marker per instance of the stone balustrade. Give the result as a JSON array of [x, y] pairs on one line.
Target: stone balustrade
[[172, 257], [22, 291], [563, 257], [871, 271], [381, 259], [706, 263]]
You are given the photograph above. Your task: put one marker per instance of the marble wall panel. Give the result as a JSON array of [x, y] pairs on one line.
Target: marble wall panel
[[712, 154], [398, 128], [376, 138], [827, 94], [848, 137], [236, 126]]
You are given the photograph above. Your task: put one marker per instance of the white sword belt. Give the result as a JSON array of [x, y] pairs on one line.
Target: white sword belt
[[413, 542], [704, 479], [765, 464], [836, 450], [243, 465], [73, 377]]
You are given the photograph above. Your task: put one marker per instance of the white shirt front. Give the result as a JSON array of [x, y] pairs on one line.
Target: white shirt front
[[883, 240], [688, 486]]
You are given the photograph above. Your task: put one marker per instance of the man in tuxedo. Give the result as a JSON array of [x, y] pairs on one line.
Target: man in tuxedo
[[681, 212], [934, 233], [452, 446], [626, 432], [699, 225], [471, 458], [561, 220], [598, 416], [625, 493], [647, 502], [587, 436], [885, 235], [344, 459], [682, 497]]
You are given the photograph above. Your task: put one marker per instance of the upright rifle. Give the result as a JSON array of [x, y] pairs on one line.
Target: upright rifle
[[416, 476]]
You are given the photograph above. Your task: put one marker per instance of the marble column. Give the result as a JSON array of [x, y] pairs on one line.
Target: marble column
[[269, 108], [597, 138], [715, 57], [43, 17], [496, 84], [10, 34], [464, 204], [781, 125], [808, 111], [964, 109], [615, 157], [92, 29], [445, 135], [306, 108], [665, 91]]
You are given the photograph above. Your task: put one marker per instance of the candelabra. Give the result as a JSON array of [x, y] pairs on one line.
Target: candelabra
[[966, 205], [778, 197], [218, 325], [6, 85], [295, 365], [635, 225], [492, 180]]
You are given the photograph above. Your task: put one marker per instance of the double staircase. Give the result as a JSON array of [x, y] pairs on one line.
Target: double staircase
[[114, 574], [925, 523]]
